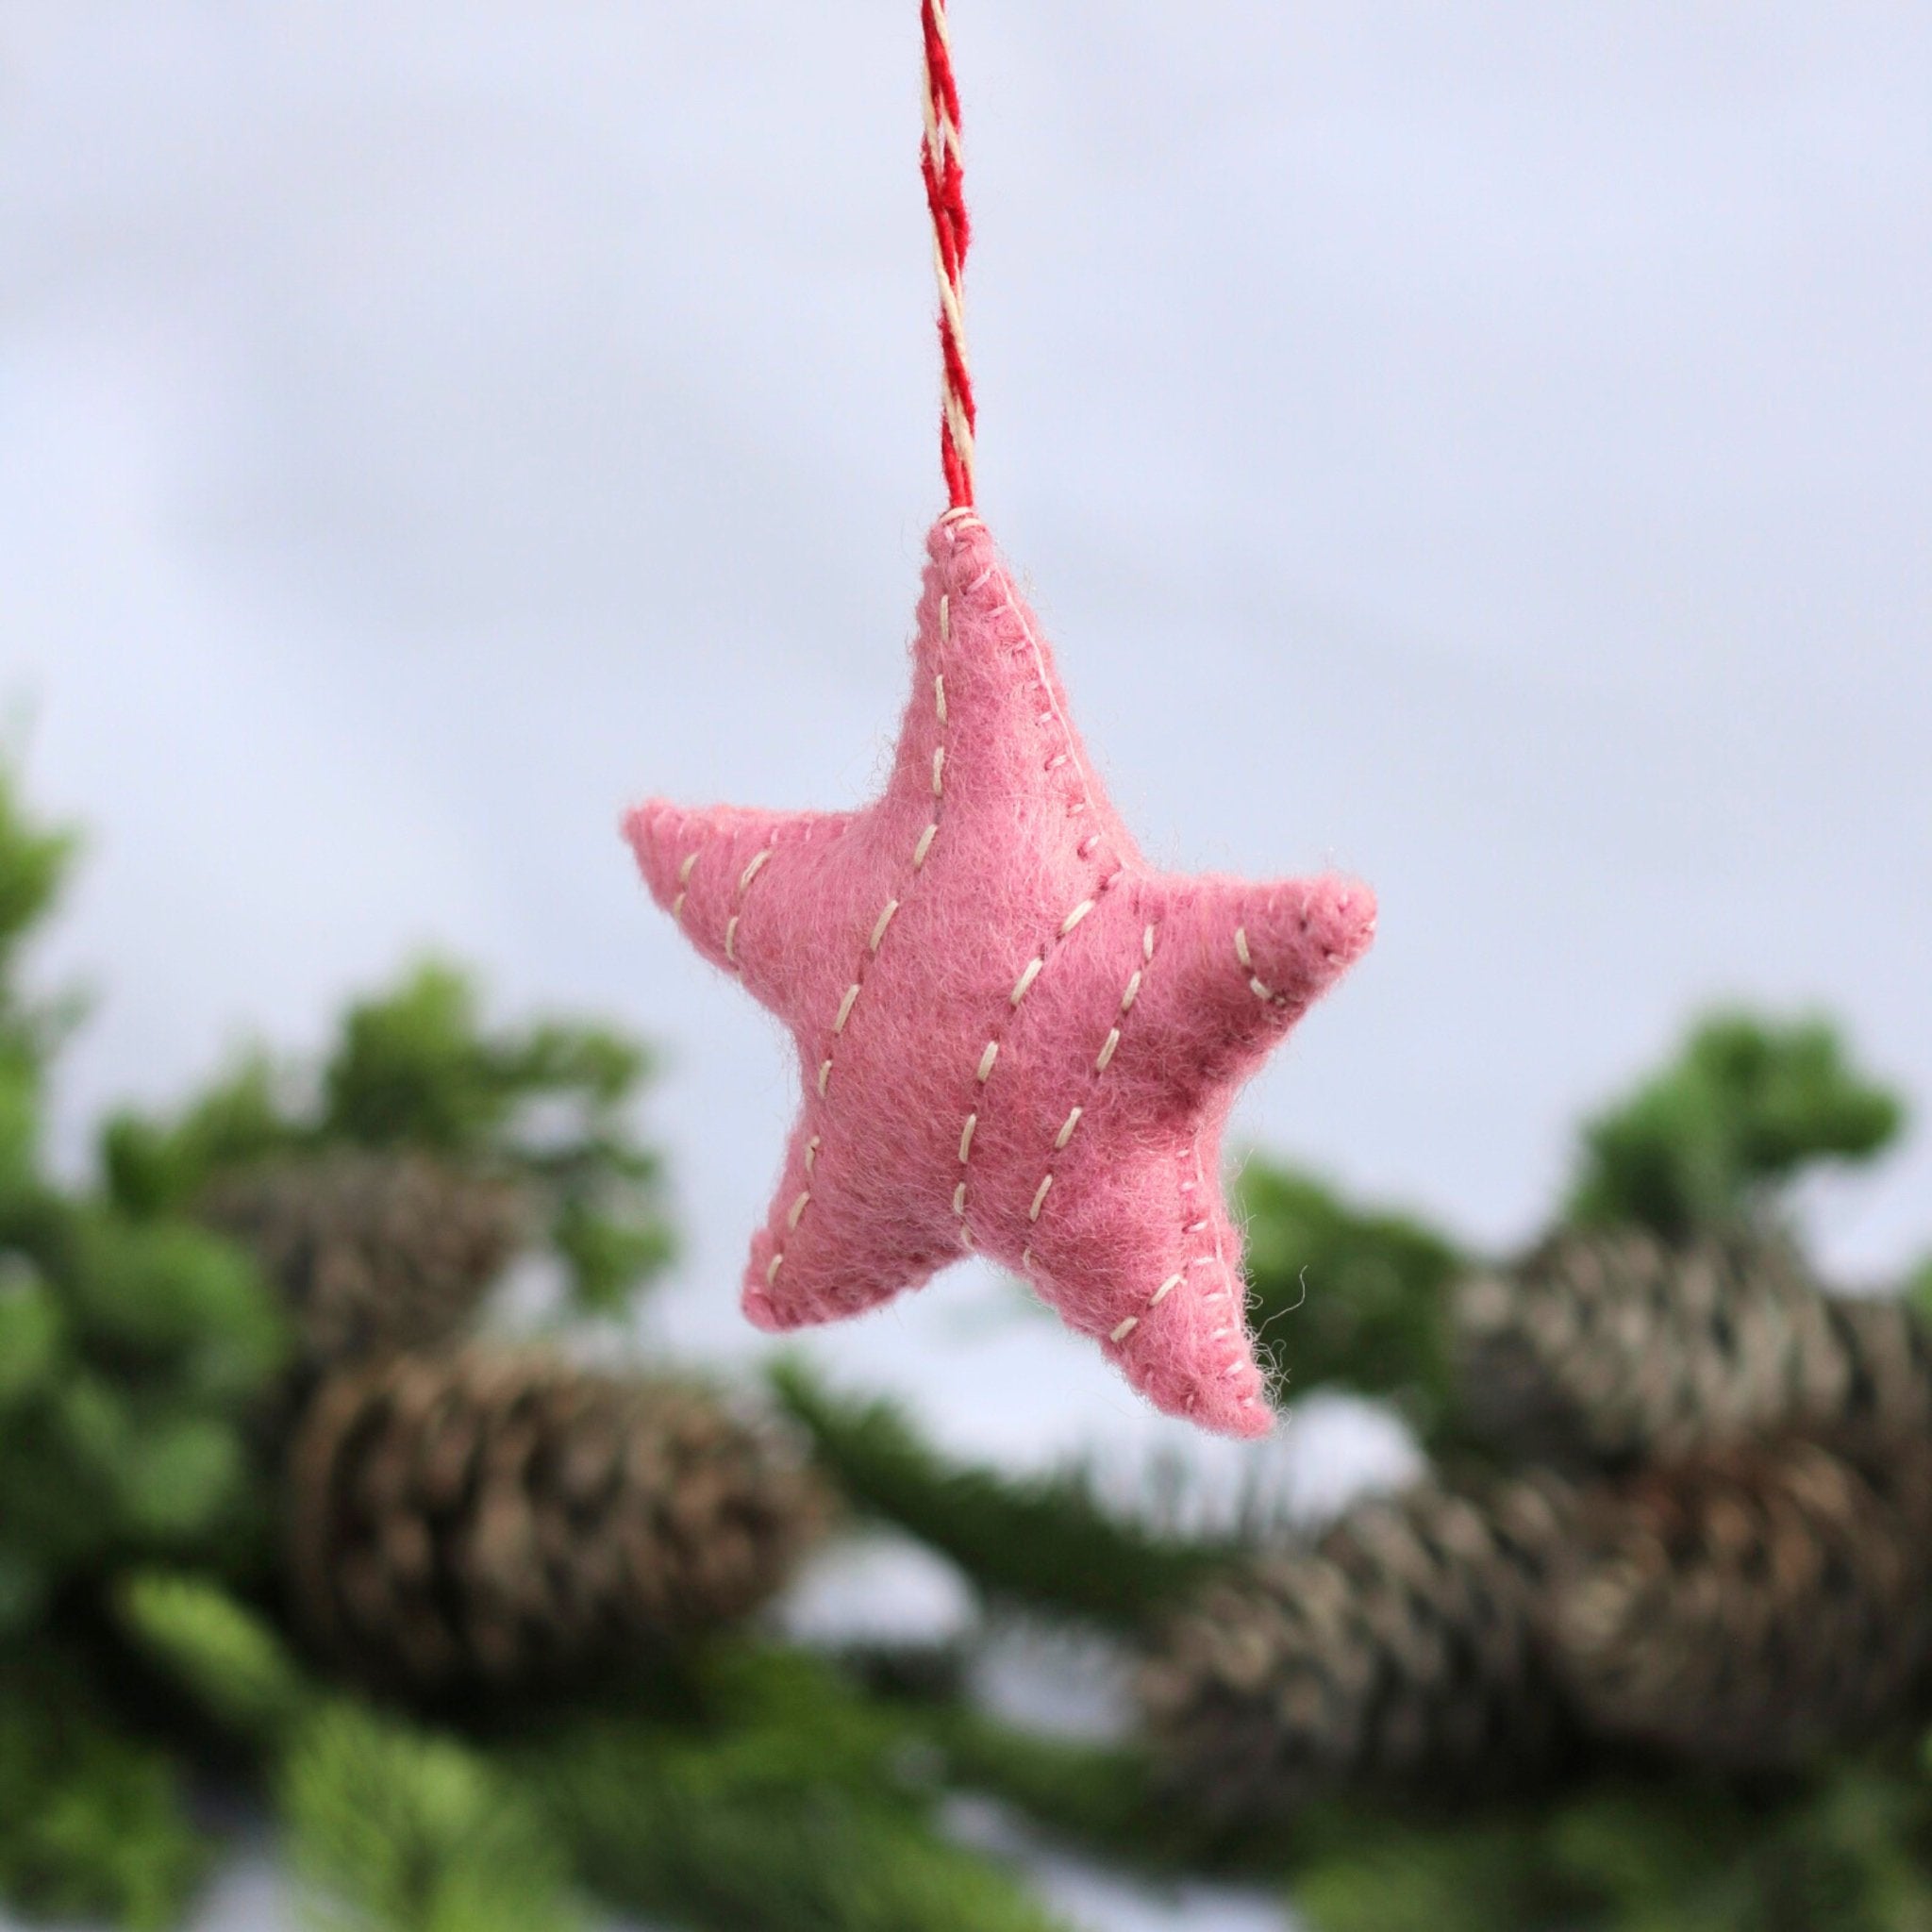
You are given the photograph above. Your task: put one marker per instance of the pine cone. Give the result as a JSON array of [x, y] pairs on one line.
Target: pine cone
[[1614, 1347], [1402, 1648], [1752, 1606], [374, 1251], [503, 1516]]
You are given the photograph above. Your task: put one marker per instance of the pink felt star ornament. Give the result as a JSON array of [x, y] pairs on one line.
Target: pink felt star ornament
[[1015, 1036]]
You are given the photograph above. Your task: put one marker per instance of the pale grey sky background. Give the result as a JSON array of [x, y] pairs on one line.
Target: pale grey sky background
[[1488, 448]]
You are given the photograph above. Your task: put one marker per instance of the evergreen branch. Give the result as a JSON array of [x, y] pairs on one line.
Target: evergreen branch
[[778, 1799], [94, 1822], [228, 1658], [1045, 1542], [415, 1070], [1713, 1141], [396, 1830]]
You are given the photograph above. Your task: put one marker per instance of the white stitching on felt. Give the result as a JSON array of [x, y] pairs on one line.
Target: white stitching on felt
[[1029, 642], [690, 859], [744, 879], [1256, 985], [990, 1054], [1223, 1291], [850, 998], [1220, 1263], [1100, 1066]]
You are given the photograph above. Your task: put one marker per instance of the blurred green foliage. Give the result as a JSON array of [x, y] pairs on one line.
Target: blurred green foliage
[[392, 1830], [93, 1821], [734, 1790], [1712, 1140], [1847, 1848], [1919, 1287], [778, 1799], [1850, 1851], [389, 1827], [550, 1103], [135, 1358], [34, 860], [1047, 1543], [133, 1352], [224, 1654]]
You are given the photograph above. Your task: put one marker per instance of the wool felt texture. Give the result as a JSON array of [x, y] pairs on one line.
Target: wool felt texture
[[1015, 1036]]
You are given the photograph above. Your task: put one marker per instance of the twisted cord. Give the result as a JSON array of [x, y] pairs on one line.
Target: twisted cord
[[944, 176]]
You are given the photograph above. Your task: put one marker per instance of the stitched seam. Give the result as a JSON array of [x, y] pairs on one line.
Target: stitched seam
[[875, 937], [1102, 1061], [1194, 1187], [1258, 987], [1070, 920], [752, 868]]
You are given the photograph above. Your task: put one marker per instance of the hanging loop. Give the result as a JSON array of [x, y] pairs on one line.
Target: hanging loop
[[945, 198]]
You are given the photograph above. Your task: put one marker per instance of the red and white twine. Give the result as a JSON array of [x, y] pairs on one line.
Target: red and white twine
[[945, 197]]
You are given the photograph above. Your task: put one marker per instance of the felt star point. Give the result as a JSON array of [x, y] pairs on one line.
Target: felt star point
[[1015, 1036]]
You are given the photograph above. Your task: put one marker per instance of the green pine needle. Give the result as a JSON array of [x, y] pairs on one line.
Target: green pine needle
[[227, 1657], [391, 1829]]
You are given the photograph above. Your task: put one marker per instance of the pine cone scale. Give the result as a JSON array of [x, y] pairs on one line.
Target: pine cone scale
[[501, 1515]]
